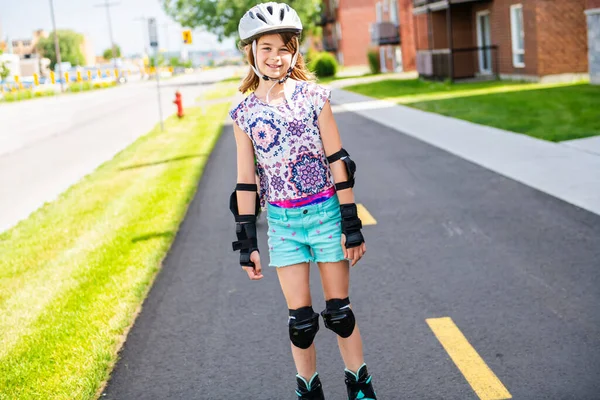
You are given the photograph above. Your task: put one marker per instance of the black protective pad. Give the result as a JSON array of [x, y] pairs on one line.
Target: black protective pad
[[351, 225], [338, 317], [350, 168], [304, 325]]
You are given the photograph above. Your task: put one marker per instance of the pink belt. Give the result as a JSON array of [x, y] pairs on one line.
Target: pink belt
[[305, 201]]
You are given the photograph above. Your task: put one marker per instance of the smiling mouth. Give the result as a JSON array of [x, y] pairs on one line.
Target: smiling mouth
[[273, 66]]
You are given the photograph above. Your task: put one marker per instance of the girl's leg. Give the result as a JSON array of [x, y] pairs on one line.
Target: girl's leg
[[335, 278], [294, 281]]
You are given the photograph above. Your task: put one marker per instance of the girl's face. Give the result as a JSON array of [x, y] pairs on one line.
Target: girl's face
[[273, 58]]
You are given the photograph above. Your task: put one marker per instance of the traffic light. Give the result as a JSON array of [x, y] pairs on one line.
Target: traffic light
[[187, 36]]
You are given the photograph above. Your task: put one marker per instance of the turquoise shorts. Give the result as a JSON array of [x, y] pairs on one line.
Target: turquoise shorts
[[311, 233]]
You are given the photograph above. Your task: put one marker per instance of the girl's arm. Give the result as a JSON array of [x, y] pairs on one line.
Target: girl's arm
[[333, 143], [246, 202], [245, 170]]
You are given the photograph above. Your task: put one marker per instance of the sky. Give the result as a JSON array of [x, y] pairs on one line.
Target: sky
[[19, 18]]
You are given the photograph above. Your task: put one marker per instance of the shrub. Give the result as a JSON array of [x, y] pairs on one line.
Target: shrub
[[373, 56], [324, 65]]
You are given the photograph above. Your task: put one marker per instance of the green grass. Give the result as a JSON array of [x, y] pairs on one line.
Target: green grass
[[330, 79], [223, 90], [27, 94], [87, 86], [74, 273], [234, 79], [553, 112]]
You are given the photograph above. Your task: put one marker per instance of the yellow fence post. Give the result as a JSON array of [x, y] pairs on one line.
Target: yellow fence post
[[17, 87], [52, 77]]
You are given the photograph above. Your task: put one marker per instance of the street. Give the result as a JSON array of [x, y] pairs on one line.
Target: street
[[514, 268], [48, 144]]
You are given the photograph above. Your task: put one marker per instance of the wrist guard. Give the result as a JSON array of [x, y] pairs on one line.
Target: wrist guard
[[351, 225], [245, 226], [245, 229]]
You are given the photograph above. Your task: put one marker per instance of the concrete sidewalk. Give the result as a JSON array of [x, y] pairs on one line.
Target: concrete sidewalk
[[569, 173]]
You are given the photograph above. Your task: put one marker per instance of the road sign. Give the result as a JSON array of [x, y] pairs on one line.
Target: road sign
[[187, 36], [152, 32]]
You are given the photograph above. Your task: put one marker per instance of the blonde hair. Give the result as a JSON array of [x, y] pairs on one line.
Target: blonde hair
[[299, 73]]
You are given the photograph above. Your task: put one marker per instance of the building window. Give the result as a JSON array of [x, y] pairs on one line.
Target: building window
[[517, 35], [394, 13]]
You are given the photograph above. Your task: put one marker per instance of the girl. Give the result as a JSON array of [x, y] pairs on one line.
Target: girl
[[288, 124]]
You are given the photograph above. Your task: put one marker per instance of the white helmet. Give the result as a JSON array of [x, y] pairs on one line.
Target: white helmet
[[268, 17]]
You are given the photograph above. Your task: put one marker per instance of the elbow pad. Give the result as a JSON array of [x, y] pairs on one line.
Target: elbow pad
[[350, 168]]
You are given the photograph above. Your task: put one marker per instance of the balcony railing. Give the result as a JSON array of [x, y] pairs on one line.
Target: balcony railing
[[420, 3], [383, 33], [472, 62]]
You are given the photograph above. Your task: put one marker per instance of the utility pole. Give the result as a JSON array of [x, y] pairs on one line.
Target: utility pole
[[144, 22], [57, 48], [153, 36], [108, 5]]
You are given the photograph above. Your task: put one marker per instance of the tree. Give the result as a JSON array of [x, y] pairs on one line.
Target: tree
[[4, 71], [109, 55], [161, 60], [221, 17], [69, 43]]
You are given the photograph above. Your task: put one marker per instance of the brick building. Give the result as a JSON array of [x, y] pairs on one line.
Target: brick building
[[593, 27], [26, 48], [352, 27], [525, 39]]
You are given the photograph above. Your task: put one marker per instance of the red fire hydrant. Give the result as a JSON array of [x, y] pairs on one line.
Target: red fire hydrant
[[179, 104]]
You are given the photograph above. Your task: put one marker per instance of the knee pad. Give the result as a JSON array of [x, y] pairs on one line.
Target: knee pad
[[304, 325], [338, 317]]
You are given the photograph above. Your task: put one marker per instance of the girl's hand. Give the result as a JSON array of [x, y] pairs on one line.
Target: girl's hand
[[353, 254], [254, 273]]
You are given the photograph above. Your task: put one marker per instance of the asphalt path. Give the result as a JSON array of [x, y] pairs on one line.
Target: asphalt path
[[515, 269]]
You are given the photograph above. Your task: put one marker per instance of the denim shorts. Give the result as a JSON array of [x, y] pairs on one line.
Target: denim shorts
[[305, 234]]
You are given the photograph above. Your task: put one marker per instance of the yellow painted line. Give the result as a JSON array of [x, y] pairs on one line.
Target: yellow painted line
[[365, 216], [481, 378]]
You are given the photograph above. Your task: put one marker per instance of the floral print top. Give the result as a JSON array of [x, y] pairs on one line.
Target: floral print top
[[287, 143]]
